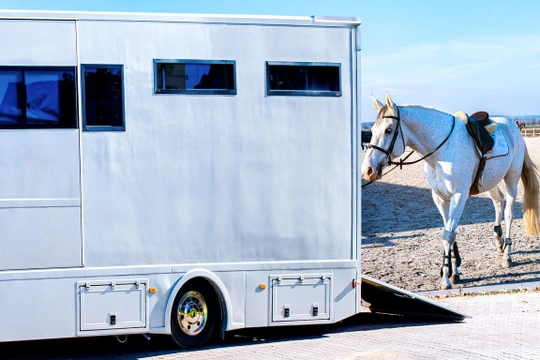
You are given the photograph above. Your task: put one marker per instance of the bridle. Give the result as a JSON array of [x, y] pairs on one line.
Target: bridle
[[394, 138], [393, 142]]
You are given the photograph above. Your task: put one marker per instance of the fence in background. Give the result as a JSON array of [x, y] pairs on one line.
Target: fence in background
[[530, 131]]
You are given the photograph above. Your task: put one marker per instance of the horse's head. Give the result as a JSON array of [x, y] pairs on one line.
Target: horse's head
[[384, 144]]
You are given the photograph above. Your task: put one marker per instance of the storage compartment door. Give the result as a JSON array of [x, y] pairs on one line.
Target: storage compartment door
[[301, 297], [112, 305]]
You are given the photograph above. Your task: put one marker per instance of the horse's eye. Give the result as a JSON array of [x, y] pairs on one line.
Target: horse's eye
[[388, 131]]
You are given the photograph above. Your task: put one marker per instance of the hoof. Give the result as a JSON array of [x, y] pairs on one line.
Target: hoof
[[499, 244], [454, 279], [506, 263], [445, 285]]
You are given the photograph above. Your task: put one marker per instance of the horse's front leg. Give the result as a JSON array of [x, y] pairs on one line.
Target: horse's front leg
[[444, 209], [450, 268]]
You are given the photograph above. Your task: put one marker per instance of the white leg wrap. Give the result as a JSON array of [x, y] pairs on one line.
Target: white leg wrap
[[448, 236]]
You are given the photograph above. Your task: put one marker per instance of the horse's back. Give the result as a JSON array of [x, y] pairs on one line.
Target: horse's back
[[461, 160], [512, 134], [511, 164]]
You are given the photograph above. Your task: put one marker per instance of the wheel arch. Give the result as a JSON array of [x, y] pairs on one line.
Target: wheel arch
[[221, 293]]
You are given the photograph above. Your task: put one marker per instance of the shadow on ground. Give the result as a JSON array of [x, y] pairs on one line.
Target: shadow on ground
[[397, 208]]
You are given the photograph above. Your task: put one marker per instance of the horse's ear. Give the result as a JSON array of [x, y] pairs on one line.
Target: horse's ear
[[376, 103], [389, 102]]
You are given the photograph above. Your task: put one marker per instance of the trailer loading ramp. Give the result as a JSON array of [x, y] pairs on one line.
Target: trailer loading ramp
[[384, 298]]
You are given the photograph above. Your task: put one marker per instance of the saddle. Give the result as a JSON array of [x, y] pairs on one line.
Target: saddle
[[476, 127], [480, 127]]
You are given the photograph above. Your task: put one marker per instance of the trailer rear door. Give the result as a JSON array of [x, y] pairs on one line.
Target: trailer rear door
[[40, 196]]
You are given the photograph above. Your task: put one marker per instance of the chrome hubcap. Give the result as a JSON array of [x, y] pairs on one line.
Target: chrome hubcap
[[192, 313]]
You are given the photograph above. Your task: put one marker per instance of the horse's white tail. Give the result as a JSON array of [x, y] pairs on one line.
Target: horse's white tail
[[529, 176]]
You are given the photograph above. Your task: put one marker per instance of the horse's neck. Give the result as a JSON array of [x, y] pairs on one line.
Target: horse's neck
[[425, 128]]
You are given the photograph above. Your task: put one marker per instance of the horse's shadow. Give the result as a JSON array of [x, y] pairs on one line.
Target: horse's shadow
[[393, 208]]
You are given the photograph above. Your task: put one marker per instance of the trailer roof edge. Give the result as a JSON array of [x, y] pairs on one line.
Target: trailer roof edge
[[178, 17]]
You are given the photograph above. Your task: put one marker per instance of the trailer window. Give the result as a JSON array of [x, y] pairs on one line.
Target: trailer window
[[307, 79], [103, 97], [37, 97], [203, 77]]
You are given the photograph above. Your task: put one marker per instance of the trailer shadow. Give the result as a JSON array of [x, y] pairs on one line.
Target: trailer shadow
[[138, 347], [385, 241], [529, 276], [358, 323]]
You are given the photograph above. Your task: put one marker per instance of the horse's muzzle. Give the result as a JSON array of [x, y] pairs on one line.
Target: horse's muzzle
[[371, 174]]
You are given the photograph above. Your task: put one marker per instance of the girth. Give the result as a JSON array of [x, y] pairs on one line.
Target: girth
[[476, 182]]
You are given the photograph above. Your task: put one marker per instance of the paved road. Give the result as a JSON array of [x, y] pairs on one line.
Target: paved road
[[503, 326]]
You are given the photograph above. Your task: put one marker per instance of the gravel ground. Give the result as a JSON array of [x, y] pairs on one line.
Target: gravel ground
[[402, 229]]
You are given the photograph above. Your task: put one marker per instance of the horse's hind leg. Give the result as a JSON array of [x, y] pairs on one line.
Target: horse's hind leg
[[511, 182], [496, 195]]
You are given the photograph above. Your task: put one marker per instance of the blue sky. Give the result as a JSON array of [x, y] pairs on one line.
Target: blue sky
[[450, 54]]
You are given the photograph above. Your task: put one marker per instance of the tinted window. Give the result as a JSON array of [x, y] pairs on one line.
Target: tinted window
[[103, 98], [303, 79], [194, 77], [37, 97]]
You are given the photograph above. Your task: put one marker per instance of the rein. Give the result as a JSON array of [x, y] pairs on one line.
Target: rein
[[389, 171], [401, 162]]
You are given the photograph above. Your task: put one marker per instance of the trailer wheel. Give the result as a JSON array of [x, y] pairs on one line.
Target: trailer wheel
[[195, 314]]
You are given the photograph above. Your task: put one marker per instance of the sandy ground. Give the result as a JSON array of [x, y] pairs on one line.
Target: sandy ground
[[402, 229]]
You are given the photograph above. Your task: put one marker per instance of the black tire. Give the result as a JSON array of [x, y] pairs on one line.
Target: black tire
[[195, 314]]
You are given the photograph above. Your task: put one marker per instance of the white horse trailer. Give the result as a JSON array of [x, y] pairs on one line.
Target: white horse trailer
[[177, 174]]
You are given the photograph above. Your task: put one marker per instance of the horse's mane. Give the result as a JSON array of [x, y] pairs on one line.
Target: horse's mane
[[385, 107], [420, 106]]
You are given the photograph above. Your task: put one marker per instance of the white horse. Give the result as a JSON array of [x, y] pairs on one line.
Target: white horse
[[451, 162]]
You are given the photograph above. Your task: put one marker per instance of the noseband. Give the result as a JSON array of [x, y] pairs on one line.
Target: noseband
[[393, 142]]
